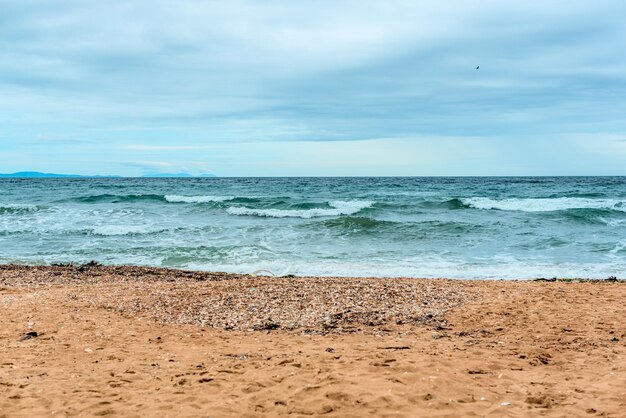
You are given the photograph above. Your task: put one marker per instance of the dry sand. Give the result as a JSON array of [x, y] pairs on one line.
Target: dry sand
[[129, 341]]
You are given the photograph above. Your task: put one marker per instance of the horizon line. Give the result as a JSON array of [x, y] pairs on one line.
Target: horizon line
[[214, 176]]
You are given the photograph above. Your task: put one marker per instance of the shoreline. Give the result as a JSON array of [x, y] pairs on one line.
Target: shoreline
[[184, 271], [135, 341]]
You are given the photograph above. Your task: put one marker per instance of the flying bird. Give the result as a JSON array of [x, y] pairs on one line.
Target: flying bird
[[478, 67]]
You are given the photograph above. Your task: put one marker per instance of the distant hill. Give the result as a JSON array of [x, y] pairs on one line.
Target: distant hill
[[37, 174]]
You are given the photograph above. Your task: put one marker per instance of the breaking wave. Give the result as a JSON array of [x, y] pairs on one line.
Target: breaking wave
[[10, 208], [197, 199], [130, 198], [544, 204], [337, 208]]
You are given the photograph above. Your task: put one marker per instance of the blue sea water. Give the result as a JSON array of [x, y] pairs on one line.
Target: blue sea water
[[416, 227]]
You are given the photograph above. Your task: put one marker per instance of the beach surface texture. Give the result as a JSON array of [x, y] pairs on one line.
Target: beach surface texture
[[129, 341]]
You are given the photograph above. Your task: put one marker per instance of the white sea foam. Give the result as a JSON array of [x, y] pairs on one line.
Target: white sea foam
[[197, 199], [113, 230], [544, 204], [426, 268], [337, 208]]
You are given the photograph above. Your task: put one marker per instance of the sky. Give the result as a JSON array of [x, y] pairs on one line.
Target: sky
[[313, 88]]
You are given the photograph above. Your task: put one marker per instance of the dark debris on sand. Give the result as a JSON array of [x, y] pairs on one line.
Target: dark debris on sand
[[244, 302]]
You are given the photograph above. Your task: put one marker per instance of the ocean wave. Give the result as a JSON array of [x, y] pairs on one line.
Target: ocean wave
[[113, 198], [197, 199], [10, 208], [544, 204], [337, 208], [620, 247], [453, 204], [416, 230], [115, 230], [446, 228], [357, 223], [612, 222], [592, 216]]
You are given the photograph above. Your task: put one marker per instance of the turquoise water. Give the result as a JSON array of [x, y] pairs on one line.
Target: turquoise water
[[418, 227]]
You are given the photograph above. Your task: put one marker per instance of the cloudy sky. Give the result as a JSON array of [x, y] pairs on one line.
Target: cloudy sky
[[266, 88]]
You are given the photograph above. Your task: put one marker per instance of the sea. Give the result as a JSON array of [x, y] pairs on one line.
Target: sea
[[456, 227]]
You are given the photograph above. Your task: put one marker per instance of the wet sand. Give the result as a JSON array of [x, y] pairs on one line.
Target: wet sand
[[129, 341]]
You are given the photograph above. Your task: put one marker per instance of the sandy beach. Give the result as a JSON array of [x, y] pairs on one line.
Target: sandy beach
[[131, 341]]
